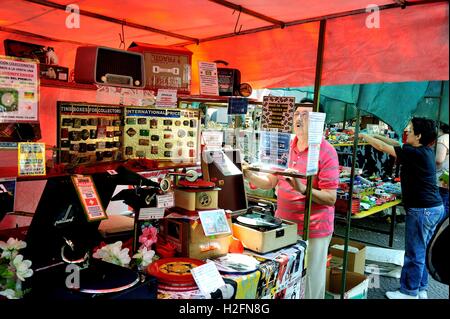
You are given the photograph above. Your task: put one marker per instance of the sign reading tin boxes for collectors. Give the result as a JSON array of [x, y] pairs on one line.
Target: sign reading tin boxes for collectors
[[161, 134], [89, 133]]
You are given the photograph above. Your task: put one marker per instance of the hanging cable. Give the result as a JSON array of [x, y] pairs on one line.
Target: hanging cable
[[237, 21], [122, 37]]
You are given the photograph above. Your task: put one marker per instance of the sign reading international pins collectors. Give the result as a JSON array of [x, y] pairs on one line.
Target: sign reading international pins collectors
[[19, 87]]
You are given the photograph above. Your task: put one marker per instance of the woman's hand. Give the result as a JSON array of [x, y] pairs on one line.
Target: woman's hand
[[245, 166], [295, 182]]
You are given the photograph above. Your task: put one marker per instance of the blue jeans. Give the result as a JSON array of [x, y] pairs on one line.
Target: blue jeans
[[420, 226], [444, 195]]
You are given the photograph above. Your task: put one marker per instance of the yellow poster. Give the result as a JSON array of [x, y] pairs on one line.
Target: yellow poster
[[31, 159]]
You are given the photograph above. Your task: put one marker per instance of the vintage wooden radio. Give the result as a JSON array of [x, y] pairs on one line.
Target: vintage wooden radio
[[190, 240], [165, 67]]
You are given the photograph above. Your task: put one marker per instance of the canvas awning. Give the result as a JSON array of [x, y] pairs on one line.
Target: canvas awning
[[410, 44]]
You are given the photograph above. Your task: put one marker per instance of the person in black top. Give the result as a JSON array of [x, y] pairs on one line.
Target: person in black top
[[421, 199]]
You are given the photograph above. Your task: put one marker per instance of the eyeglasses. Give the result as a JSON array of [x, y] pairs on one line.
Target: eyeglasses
[[301, 114]]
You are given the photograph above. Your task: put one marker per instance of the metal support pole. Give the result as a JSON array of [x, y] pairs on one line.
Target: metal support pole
[[317, 82], [345, 116], [349, 211], [308, 201]]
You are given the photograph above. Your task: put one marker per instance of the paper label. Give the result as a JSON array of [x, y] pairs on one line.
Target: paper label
[[315, 127], [213, 139], [166, 98], [312, 166], [209, 84], [165, 201], [151, 213], [207, 278]]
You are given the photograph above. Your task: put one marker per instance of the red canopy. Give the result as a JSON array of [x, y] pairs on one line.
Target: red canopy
[[410, 44]]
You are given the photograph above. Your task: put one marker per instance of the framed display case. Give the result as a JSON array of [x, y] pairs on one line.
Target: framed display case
[[161, 134], [88, 133]]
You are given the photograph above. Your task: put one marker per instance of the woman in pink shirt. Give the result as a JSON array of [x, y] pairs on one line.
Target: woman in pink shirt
[[291, 200]]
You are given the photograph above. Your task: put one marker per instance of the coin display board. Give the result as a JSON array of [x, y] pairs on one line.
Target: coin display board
[[88, 133], [161, 134]]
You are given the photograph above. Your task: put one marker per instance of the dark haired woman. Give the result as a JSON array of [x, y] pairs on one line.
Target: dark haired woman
[[421, 199]]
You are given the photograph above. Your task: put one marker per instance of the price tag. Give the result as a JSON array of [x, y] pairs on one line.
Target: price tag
[[151, 213], [207, 278], [166, 98], [165, 201]]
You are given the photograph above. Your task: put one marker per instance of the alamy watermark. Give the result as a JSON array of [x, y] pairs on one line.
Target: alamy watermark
[[373, 19], [73, 19], [73, 279]]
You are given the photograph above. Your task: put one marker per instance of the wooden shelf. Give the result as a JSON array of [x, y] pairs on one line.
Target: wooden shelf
[[211, 98], [105, 166], [67, 85]]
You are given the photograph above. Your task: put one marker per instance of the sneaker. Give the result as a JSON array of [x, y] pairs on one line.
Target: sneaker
[[423, 294], [399, 295]]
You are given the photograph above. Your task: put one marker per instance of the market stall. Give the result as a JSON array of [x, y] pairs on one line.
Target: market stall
[[82, 116]]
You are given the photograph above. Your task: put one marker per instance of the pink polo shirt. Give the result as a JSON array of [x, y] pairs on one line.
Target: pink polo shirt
[[291, 204]]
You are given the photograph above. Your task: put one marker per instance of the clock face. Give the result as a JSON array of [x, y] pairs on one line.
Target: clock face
[[245, 89]]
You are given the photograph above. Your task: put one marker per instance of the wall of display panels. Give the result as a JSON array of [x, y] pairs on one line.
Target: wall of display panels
[[90, 133]]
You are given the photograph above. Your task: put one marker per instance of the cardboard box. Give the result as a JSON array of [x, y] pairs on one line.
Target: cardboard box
[[355, 261], [356, 285]]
